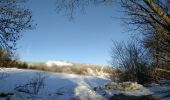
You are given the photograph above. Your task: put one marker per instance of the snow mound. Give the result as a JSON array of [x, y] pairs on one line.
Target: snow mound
[[58, 63], [134, 90], [125, 86]]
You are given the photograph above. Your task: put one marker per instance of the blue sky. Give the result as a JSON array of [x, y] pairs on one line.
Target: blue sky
[[86, 40]]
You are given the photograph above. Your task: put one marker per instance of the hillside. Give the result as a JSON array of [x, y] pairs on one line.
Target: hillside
[[72, 68]]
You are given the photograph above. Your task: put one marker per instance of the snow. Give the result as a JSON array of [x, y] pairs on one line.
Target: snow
[[58, 86], [58, 63], [125, 86], [133, 89], [162, 90]]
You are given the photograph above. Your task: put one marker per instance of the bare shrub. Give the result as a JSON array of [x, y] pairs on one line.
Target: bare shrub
[[5, 58], [78, 70], [133, 61], [20, 65], [33, 86], [38, 67]]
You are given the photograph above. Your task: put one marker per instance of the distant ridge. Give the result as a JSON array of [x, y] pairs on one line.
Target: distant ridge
[[51, 63], [61, 63]]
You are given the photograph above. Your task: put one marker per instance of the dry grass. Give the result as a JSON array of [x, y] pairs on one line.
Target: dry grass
[[81, 69]]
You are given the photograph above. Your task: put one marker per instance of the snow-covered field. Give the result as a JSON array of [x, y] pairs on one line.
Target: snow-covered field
[[19, 85], [57, 86]]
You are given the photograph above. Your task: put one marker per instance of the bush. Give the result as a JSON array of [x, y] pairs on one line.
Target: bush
[[5, 58], [33, 86], [8, 61], [134, 62], [22, 65], [37, 67]]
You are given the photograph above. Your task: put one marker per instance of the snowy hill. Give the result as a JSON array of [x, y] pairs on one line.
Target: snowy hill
[[51, 63], [63, 66]]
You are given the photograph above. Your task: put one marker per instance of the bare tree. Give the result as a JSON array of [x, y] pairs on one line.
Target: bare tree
[[13, 19], [5, 58], [152, 19], [70, 7], [149, 17], [133, 61]]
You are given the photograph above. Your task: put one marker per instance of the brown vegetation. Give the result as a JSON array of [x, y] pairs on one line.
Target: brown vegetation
[[81, 69]]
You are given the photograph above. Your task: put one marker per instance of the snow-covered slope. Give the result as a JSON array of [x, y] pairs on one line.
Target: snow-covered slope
[[22, 85], [57, 86], [51, 63]]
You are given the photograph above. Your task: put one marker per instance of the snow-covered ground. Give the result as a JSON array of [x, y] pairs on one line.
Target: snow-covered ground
[[159, 91], [59, 86]]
